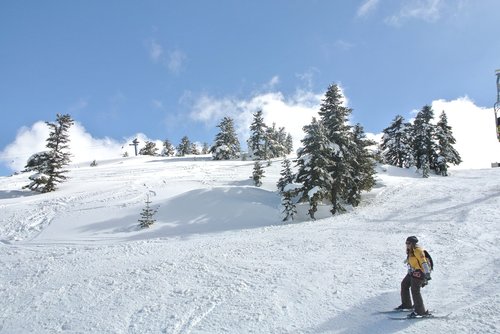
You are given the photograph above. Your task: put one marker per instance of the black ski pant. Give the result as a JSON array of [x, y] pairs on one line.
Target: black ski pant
[[412, 284]]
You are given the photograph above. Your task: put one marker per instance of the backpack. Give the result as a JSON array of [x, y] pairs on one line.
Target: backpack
[[429, 259]]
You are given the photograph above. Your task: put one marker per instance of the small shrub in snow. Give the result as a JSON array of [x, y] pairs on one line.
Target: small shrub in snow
[[147, 215]]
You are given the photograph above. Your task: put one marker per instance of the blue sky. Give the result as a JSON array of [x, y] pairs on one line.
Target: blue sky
[[165, 69]]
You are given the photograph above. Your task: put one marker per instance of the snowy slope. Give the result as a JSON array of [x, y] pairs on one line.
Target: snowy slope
[[218, 259]]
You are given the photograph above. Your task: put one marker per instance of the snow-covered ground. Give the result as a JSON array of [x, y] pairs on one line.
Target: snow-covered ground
[[219, 259]]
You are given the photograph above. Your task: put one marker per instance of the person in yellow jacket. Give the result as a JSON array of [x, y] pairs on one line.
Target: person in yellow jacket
[[418, 275]]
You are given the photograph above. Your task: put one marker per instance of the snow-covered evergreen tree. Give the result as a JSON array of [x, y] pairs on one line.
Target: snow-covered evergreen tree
[[362, 167], [226, 144], [50, 172], [149, 149], [334, 164], [424, 165], [424, 148], [258, 174], [445, 150], [257, 142], [288, 204], [205, 149], [168, 149], [287, 190], [288, 144], [194, 149], [312, 162], [396, 144], [147, 215], [38, 162], [184, 147], [281, 138], [287, 176], [276, 142], [334, 116], [272, 145]]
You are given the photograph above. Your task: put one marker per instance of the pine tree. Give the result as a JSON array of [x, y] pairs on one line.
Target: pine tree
[[205, 148], [258, 174], [362, 167], [445, 141], [288, 144], [424, 149], [147, 215], [194, 149], [396, 144], [149, 149], [226, 144], [184, 147], [168, 149], [273, 146], [287, 194], [334, 117], [312, 165], [425, 165], [334, 164], [257, 141], [51, 171], [289, 208], [281, 138], [38, 162], [287, 176]]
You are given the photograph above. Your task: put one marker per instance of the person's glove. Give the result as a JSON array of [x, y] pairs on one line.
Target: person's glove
[[428, 276]]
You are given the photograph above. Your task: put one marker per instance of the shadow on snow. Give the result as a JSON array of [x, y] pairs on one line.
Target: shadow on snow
[[200, 211], [364, 318]]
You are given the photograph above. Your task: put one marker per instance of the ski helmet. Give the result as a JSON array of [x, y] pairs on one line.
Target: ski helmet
[[413, 239]]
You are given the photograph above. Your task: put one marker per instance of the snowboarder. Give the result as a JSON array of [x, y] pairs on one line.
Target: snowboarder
[[418, 274]]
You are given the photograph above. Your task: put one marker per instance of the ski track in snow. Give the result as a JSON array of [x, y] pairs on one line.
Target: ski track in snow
[[73, 261]]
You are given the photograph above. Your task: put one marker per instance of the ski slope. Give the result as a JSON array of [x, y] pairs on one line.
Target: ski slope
[[219, 259]]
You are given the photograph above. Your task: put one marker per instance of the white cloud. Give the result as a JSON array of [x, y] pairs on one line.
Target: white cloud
[[290, 112], [426, 10], [175, 61], [274, 81], [157, 104], [343, 45], [271, 84], [155, 51], [308, 77], [28, 141], [78, 106], [367, 7], [83, 147], [474, 129]]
